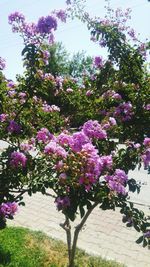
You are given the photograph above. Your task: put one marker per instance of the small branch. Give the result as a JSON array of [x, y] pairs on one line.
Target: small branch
[[21, 193], [50, 195]]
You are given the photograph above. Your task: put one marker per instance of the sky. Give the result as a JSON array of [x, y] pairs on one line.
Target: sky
[[74, 35]]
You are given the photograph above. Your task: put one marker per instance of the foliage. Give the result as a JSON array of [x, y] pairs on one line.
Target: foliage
[[58, 62], [80, 65], [85, 167]]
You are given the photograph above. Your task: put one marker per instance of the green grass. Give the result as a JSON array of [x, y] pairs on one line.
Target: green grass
[[20, 247]]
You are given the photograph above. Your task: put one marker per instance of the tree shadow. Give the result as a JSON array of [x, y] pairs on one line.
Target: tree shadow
[[5, 256]]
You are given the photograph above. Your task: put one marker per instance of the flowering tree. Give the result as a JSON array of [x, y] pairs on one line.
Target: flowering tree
[[85, 168]]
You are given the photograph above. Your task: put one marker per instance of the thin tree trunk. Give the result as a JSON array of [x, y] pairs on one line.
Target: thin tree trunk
[[67, 227], [76, 234]]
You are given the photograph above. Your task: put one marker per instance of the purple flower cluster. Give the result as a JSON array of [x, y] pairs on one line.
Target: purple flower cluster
[[124, 111], [44, 135], [64, 139], [62, 202], [52, 148], [110, 123], [22, 97], [98, 62], [147, 234], [16, 17], [147, 107], [11, 93], [111, 94], [94, 130], [31, 32], [146, 157], [78, 140], [75, 141], [93, 166], [8, 209], [48, 108], [80, 157], [26, 147], [18, 159], [2, 63], [11, 84], [146, 141], [117, 181], [61, 14], [13, 127], [46, 24]]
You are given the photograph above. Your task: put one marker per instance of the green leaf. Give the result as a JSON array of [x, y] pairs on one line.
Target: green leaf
[[140, 240]]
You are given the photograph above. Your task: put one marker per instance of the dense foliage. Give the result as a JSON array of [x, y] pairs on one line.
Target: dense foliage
[[84, 166]]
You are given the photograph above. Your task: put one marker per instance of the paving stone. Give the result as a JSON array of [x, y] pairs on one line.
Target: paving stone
[[104, 233]]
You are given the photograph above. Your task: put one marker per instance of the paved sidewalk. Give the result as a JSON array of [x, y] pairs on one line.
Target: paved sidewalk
[[104, 234]]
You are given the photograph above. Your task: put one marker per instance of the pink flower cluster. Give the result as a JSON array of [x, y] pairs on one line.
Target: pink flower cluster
[[44, 135], [78, 146], [3, 117], [48, 108], [52, 148], [147, 107], [62, 202], [94, 130], [146, 155], [112, 95], [18, 159], [8, 209], [117, 181]]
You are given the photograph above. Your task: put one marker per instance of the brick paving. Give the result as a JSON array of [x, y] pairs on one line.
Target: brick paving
[[104, 233]]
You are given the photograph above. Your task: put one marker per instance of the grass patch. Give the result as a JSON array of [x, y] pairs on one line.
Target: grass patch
[[20, 247]]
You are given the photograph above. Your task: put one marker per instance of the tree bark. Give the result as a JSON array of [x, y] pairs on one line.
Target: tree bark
[[76, 234]]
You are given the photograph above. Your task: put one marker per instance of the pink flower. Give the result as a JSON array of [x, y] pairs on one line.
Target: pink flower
[[146, 141], [147, 107], [44, 135], [3, 117], [52, 148], [89, 92], [62, 202], [8, 209], [63, 176], [64, 139], [94, 130], [146, 157], [69, 90], [117, 181], [112, 121], [18, 159]]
